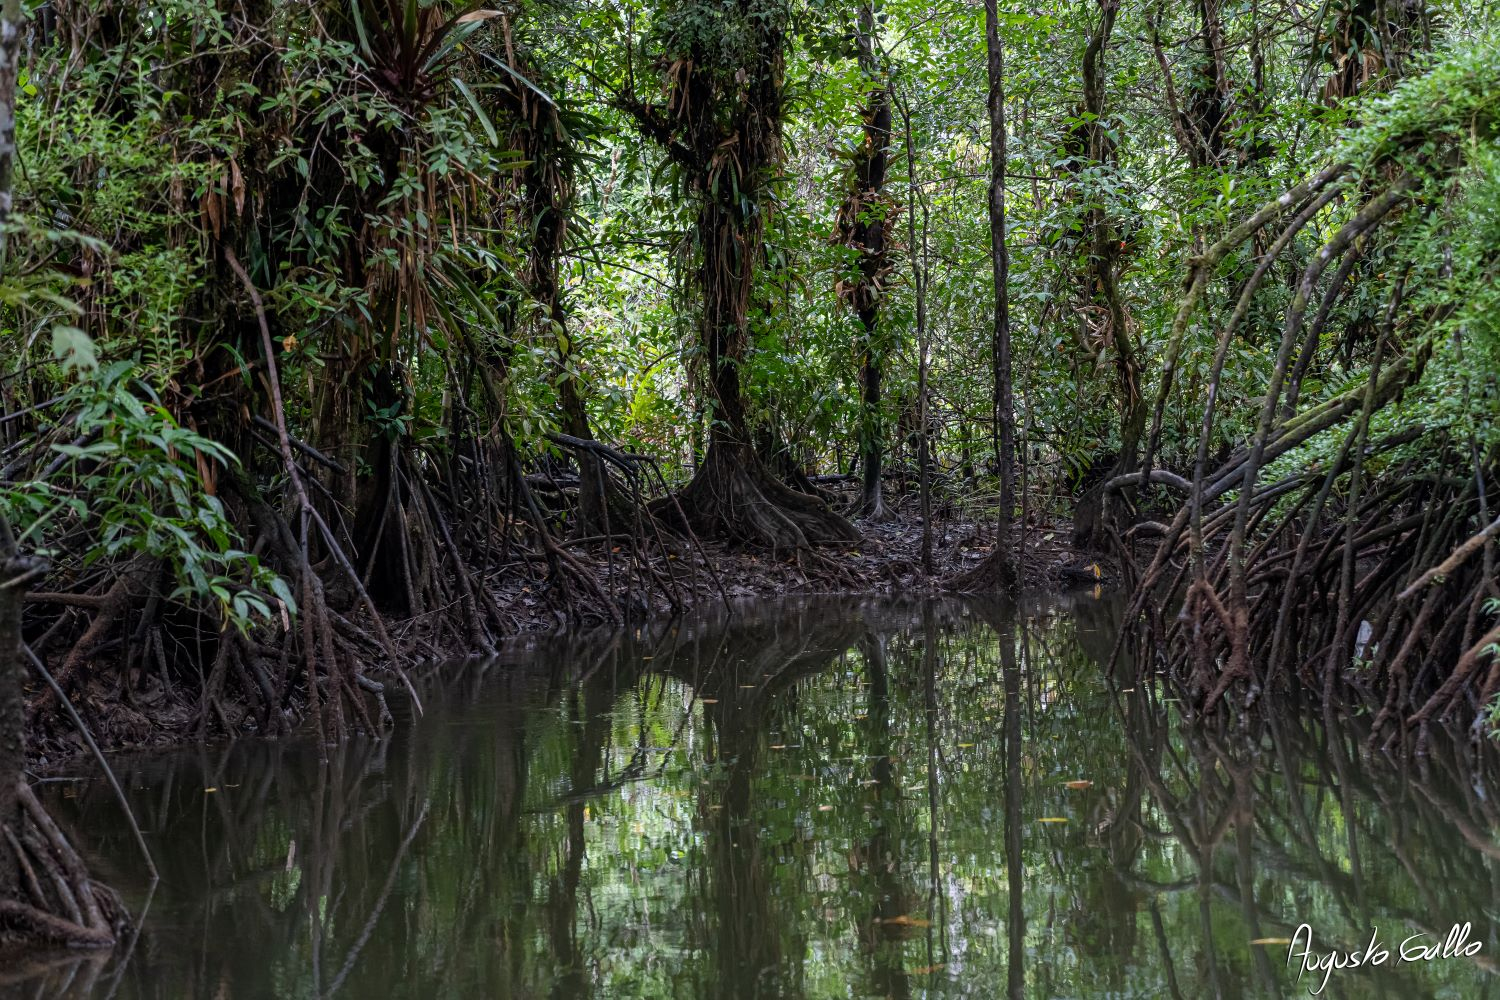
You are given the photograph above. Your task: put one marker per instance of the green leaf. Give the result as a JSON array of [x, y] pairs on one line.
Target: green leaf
[[74, 348], [484, 119]]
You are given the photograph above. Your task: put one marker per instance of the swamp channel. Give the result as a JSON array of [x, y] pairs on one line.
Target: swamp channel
[[816, 798]]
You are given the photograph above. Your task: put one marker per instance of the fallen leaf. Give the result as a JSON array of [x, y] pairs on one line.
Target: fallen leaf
[[1080, 783], [1053, 819], [825, 809], [904, 921], [1272, 941], [964, 746], [709, 701], [209, 791], [928, 970]]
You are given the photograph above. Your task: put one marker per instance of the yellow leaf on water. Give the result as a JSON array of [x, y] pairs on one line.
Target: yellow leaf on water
[[904, 921], [1053, 819], [964, 746], [1080, 783], [824, 809], [709, 701], [778, 746], [209, 791], [928, 970], [1272, 940]]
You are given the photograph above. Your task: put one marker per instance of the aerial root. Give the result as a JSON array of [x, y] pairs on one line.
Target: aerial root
[[733, 496], [62, 906]]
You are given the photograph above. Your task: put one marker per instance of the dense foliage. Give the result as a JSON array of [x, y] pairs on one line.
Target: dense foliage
[[329, 329]]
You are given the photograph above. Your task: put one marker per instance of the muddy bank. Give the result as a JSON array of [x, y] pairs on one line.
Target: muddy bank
[[152, 711]]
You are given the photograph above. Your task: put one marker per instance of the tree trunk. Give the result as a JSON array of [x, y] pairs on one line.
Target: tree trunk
[[917, 241], [711, 108], [1102, 289], [866, 215], [1002, 567], [19, 811], [732, 494], [12, 675], [1004, 402]]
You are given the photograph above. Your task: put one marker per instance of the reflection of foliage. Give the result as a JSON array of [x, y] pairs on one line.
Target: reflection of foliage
[[781, 790]]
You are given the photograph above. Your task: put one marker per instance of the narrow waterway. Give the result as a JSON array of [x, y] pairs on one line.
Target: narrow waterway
[[828, 799]]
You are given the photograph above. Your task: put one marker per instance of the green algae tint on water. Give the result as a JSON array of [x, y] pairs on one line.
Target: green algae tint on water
[[828, 799]]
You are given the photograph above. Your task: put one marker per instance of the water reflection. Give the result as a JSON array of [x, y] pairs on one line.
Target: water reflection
[[872, 799]]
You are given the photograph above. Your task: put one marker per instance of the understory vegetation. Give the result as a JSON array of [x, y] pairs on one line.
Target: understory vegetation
[[343, 335]]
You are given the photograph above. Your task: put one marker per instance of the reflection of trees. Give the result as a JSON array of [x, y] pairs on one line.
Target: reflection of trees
[[876, 865], [331, 863], [472, 855], [1278, 804], [749, 679]]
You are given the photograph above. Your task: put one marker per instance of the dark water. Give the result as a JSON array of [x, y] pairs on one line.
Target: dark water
[[825, 800]]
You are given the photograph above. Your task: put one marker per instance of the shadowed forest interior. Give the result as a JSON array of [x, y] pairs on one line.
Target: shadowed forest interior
[[343, 339]]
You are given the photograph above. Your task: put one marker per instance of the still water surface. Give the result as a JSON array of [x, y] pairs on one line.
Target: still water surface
[[828, 799]]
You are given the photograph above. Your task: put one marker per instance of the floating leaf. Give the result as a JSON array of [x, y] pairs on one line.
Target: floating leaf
[[1053, 819], [1080, 783], [1272, 940]]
